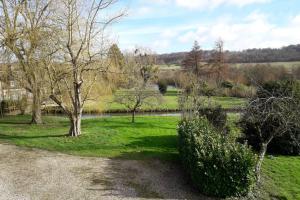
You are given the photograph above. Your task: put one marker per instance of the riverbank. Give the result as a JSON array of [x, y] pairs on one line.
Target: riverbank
[[168, 105]]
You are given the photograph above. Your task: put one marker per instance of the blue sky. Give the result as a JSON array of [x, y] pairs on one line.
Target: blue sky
[[172, 25]]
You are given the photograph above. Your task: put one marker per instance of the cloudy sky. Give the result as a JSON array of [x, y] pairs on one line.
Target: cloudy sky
[[173, 25]]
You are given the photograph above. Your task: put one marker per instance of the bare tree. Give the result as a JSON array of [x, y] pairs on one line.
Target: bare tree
[[140, 72], [135, 98], [218, 62], [24, 28], [84, 49], [272, 113]]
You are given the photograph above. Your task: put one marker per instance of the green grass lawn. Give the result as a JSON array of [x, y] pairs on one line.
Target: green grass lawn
[[282, 175], [169, 103], [148, 138]]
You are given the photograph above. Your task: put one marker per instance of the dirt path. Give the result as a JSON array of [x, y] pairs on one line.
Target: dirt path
[[27, 174]]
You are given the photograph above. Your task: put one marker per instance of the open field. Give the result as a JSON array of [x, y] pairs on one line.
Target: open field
[[150, 138], [285, 64], [168, 67]]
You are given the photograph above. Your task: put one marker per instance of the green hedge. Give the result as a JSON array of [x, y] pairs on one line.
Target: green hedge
[[217, 166], [216, 116]]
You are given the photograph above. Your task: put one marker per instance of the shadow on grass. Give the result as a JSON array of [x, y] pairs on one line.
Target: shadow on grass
[[171, 93], [123, 124], [11, 137], [154, 147], [15, 122], [146, 155], [162, 142]]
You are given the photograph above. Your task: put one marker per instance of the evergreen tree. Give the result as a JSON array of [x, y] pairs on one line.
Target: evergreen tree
[[192, 61]]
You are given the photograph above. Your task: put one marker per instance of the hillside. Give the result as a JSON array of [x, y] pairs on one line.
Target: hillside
[[284, 54]]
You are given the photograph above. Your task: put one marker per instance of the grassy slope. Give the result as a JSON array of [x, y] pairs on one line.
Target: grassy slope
[[150, 137]]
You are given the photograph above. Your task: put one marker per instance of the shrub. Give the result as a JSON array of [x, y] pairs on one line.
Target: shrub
[[263, 73], [287, 144], [162, 86], [216, 165], [242, 91], [227, 84], [238, 90], [215, 115]]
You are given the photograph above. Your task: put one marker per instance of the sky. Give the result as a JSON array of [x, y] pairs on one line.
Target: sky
[[167, 26]]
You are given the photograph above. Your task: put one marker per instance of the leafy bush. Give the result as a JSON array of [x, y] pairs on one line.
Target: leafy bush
[[227, 84], [287, 144], [215, 115], [162, 86], [216, 165], [238, 90]]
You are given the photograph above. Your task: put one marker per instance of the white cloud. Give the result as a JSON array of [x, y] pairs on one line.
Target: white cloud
[[296, 20], [161, 44], [255, 31], [203, 4]]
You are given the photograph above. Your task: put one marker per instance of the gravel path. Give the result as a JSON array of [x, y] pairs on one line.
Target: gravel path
[[31, 174]]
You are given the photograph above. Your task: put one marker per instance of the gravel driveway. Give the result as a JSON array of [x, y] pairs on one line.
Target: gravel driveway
[[36, 174]]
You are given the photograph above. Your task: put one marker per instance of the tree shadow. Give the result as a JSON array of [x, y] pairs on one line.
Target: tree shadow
[[148, 179], [145, 155], [121, 123], [12, 137], [162, 141], [152, 147], [15, 122]]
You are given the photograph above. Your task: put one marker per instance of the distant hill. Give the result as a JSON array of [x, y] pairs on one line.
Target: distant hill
[[284, 54]]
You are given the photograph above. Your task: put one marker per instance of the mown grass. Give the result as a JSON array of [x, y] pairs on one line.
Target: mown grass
[[148, 138], [169, 103], [282, 177]]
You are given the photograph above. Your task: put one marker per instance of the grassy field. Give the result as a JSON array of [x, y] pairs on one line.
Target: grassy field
[[169, 67], [169, 103], [149, 138], [105, 137], [285, 64]]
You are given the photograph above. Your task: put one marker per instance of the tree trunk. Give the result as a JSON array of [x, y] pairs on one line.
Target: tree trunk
[[262, 153], [75, 129], [36, 107], [133, 116]]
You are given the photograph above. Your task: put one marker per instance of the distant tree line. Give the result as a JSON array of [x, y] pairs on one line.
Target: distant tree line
[[284, 54]]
